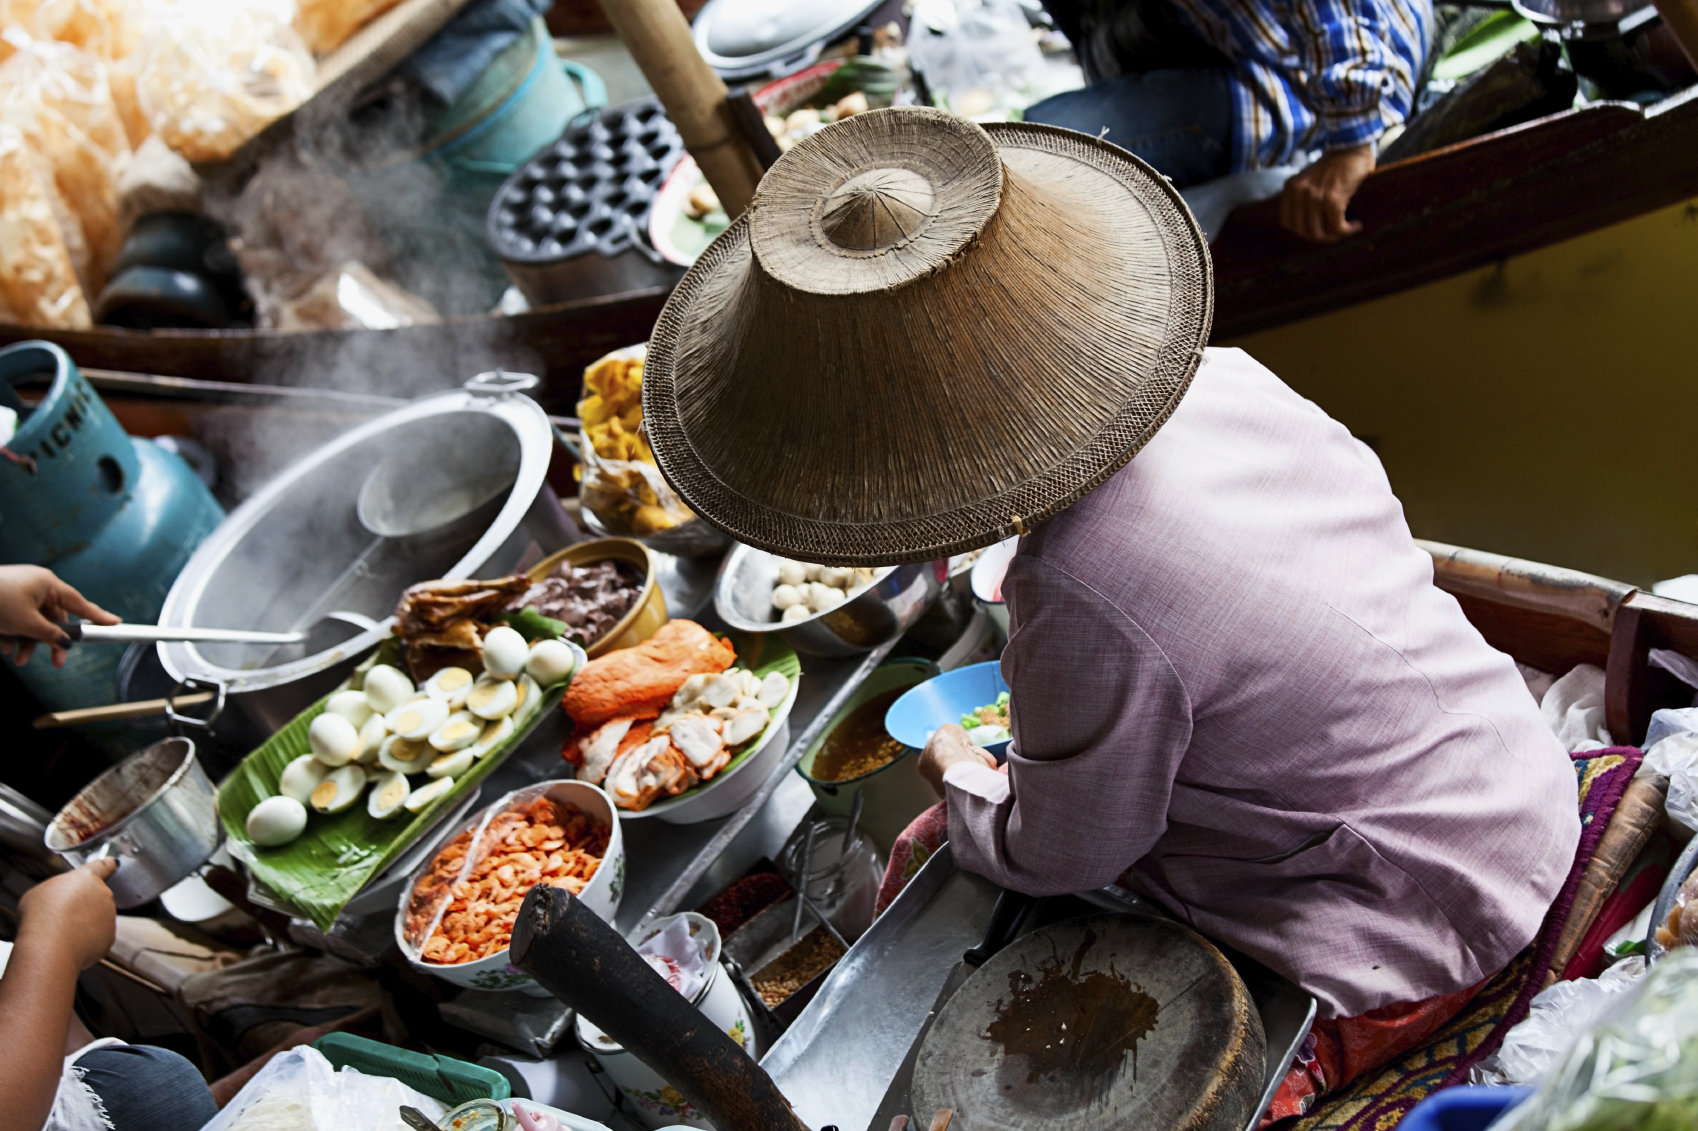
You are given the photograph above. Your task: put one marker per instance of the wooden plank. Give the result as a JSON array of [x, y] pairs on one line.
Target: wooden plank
[[1459, 208], [1634, 689]]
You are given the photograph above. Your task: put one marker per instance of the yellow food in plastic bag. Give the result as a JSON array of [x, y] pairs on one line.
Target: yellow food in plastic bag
[[622, 485], [38, 285], [327, 24], [56, 96], [213, 73]]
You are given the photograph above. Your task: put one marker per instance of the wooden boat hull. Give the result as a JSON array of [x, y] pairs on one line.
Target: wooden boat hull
[[553, 342]]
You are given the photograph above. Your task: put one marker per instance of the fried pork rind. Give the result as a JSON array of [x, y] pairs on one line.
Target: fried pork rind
[[621, 483], [638, 682], [38, 282]]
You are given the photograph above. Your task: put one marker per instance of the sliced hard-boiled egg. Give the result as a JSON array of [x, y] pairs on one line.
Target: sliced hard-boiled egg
[[451, 685], [388, 796], [450, 765], [404, 755], [372, 735], [301, 777], [276, 820], [425, 794], [351, 705], [418, 718], [333, 739], [494, 734], [461, 730], [550, 662], [387, 688], [527, 696], [504, 652], [493, 698], [338, 791]]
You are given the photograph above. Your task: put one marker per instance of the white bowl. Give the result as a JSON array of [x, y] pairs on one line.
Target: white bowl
[[657, 1104], [730, 790], [600, 895], [987, 576]]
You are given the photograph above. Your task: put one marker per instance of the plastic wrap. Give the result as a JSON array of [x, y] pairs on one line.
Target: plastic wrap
[[57, 96], [352, 298], [1671, 751], [1637, 1068], [1559, 1014], [213, 73], [978, 56], [622, 485], [38, 282], [327, 24], [300, 1091]]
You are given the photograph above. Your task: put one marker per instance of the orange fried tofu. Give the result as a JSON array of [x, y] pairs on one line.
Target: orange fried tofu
[[639, 681]]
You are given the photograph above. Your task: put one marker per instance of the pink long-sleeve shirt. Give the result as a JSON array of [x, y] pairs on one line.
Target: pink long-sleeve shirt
[[1236, 690]]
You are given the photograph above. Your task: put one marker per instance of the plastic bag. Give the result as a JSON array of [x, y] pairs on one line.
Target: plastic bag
[[38, 280], [1637, 1067], [327, 24], [622, 484], [57, 97], [1574, 709], [1559, 1014], [978, 55], [1671, 751], [300, 1091], [352, 298], [213, 73]]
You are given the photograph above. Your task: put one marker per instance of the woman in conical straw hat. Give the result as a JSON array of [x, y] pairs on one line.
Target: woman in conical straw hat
[[1235, 688]]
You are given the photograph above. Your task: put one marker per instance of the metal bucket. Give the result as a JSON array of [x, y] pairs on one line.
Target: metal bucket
[[159, 840]]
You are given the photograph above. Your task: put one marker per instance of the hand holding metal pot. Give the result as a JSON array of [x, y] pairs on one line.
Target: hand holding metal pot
[[73, 913]]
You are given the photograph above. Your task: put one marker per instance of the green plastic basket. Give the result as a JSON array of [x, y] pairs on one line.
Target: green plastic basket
[[442, 1078]]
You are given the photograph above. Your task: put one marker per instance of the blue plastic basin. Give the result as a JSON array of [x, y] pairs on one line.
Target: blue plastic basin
[[944, 699], [1468, 1108]]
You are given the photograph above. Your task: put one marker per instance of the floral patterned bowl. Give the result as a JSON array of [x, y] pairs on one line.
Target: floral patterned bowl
[[601, 894]]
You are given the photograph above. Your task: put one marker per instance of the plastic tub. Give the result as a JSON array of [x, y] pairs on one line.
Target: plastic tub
[[1468, 1108]]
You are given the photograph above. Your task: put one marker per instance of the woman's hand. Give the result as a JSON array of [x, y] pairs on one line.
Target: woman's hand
[[72, 912], [947, 747], [31, 599]]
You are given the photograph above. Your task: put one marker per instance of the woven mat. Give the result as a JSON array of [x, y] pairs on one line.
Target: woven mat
[[1379, 1100]]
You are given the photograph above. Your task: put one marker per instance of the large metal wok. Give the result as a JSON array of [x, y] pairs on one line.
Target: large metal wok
[[301, 550]]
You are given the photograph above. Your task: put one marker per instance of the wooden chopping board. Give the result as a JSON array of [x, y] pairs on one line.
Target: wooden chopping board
[[1104, 1021]]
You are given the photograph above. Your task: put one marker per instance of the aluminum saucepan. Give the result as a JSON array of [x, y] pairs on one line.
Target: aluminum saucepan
[[154, 812], [742, 596]]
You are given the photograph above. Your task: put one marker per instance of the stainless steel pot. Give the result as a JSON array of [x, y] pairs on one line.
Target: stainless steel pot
[[154, 812], [742, 596], [297, 549]]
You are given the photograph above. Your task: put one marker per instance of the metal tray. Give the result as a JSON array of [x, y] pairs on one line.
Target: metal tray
[[844, 1052]]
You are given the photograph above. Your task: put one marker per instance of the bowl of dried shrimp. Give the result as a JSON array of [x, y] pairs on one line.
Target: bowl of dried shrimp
[[457, 911]]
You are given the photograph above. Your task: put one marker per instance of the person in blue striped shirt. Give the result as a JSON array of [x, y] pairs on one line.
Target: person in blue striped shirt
[[1203, 88]]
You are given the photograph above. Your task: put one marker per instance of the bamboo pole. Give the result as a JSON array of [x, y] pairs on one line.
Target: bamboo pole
[[658, 37], [1681, 18]]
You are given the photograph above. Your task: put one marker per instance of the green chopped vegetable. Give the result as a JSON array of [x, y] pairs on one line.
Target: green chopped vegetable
[[975, 718], [532, 625]]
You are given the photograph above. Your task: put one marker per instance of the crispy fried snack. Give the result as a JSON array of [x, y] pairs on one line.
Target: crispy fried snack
[[638, 682]]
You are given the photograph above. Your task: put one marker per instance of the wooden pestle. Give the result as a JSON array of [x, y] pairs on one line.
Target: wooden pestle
[[579, 958]]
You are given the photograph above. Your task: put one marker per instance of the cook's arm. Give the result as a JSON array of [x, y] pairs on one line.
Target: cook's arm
[[1101, 722]]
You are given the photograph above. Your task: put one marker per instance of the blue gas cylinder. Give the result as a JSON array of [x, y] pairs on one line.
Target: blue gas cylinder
[[111, 514]]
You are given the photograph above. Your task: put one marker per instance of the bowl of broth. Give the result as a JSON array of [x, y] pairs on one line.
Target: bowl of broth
[[856, 754]]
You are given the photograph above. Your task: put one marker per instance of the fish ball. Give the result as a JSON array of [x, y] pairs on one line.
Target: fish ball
[[795, 613], [785, 596], [791, 573]]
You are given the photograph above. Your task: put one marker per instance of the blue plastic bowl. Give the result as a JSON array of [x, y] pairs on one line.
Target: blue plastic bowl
[[944, 699], [1468, 1108]]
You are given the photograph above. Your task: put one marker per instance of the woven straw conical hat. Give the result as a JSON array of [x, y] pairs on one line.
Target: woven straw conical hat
[[925, 336]]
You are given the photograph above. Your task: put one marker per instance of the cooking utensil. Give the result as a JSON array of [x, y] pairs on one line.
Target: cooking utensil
[[417, 1119], [1102, 1020], [154, 812], [583, 961], [130, 633], [296, 549], [883, 611], [138, 709], [747, 38]]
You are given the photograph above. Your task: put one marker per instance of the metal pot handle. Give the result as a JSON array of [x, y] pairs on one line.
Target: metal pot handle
[[180, 720], [500, 383]]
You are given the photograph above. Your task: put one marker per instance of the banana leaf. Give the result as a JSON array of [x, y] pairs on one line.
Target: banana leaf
[[328, 864]]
